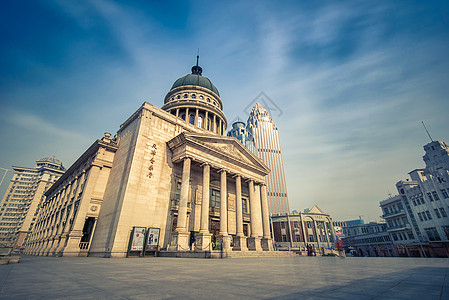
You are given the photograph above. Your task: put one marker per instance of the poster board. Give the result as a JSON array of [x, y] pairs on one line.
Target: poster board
[[152, 240], [137, 239]]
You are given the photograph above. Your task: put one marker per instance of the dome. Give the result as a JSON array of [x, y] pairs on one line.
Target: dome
[[196, 79], [50, 160]]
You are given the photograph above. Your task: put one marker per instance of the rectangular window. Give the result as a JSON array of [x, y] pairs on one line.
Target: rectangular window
[[435, 195], [295, 224], [430, 197], [443, 212], [420, 217], [298, 238], [422, 199], [395, 237], [410, 235], [244, 205], [309, 224], [445, 195], [414, 202], [428, 215], [437, 213], [178, 191], [282, 225], [215, 198], [311, 239], [432, 233], [284, 238]]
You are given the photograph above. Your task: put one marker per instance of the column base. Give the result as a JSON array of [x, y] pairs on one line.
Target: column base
[[203, 242], [240, 243], [180, 242], [267, 244], [225, 241], [254, 244]]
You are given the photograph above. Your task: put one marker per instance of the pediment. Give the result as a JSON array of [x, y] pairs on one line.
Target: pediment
[[315, 210], [226, 147]]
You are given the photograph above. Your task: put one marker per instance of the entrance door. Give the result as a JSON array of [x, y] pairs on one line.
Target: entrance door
[[214, 229]]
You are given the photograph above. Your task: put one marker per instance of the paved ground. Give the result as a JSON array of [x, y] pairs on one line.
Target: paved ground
[[244, 278]]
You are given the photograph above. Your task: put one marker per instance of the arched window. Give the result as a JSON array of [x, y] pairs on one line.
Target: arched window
[[200, 121], [201, 97], [192, 119], [179, 97], [183, 116], [193, 96], [185, 95]]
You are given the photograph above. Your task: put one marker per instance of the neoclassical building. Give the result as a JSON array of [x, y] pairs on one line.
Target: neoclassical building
[[169, 168]]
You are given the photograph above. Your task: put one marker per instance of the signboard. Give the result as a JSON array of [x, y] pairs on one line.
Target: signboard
[[138, 238], [152, 239]]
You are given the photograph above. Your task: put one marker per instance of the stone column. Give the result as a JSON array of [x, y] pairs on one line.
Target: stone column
[[203, 241], [220, 127], [239, 239], [225, 238], [180, 238], [177, 112], [206, 120], [76, 232], [267, 243], [196, 118], [214, 126], [254, 240]]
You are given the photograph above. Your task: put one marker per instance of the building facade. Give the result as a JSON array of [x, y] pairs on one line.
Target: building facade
[[21, 202], [172, 169], [417, 218], [372, 239], [268, 149], [298, 230]]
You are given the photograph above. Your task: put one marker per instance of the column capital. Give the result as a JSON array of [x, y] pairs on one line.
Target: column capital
[[236, 175], [204, 164]]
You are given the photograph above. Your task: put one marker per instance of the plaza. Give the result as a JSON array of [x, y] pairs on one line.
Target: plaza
[[37, 277]]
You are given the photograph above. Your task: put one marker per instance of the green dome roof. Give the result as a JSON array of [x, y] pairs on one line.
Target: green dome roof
[[196, 79]]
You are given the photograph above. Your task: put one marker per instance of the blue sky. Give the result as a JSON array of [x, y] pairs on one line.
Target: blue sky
[[354, 80]]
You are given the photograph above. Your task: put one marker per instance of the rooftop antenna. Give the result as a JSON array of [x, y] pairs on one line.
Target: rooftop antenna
[[427, 131]]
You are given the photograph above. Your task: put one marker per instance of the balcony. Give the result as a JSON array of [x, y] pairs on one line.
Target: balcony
[[393, 214], [399, 228]]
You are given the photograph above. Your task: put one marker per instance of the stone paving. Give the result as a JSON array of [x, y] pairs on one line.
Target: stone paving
[[243, 278]]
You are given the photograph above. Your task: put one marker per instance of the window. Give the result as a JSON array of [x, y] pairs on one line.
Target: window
[[309, 224], [430, 197], [435, 196], [445, 195], [295, 224], [422, 199], [244, 205], [201, 97], [420, 217], [192, 119], [414, 202], [410, 235], [183, 116], [446, 231], [298, 237], [178, 191], [443, 212], [193, 96], [200, 121], [282, 225], [428, 215], [284, 238], [179, 97], [311, 239], [432, 233], [185, 95], [395, 237], [437, 213], [215, 198]]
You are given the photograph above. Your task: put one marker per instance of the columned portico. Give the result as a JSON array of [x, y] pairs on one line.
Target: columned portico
[[239, 239], [203, 242], [254, 239], [225, 238], [180, 241], [266, 239]]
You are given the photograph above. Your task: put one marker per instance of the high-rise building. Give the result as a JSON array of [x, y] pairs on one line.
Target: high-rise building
[[268, 148], [417, 219], [240, 132], [21, 202]]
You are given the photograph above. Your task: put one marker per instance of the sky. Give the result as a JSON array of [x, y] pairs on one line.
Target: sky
[[351, 80]]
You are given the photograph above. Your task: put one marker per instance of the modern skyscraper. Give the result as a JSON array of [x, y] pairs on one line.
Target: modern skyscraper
[[268, 148], [21, 202], [240, 132]]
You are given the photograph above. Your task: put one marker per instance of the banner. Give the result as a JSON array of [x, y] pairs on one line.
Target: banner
[[138, 239], [152, 239]]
